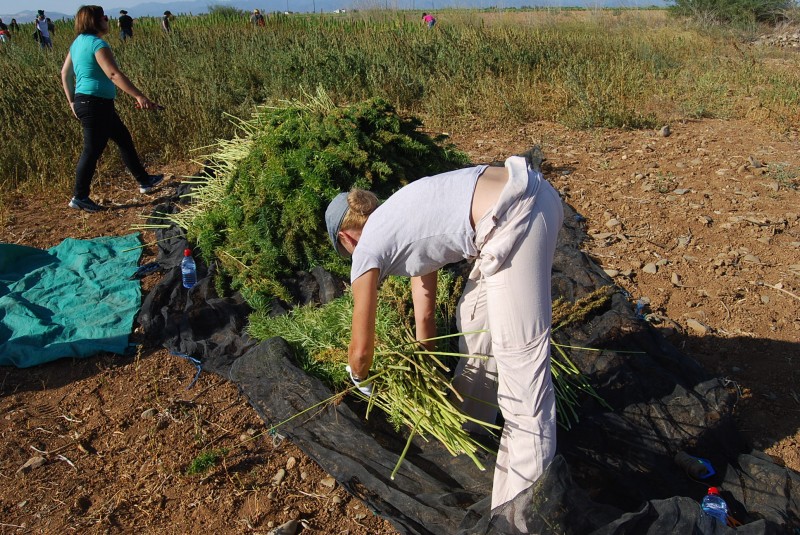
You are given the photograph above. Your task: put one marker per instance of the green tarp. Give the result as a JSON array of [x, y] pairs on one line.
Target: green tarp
[[73, 300]]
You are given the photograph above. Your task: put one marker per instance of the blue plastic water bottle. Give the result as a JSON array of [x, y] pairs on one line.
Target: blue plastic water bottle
[[188, 269], [714, 506]]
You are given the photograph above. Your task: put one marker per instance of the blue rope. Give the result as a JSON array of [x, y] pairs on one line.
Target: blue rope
[[197, 364]]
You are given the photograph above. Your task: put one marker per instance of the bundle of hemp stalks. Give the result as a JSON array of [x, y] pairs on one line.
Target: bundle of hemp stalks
[[410, 384]]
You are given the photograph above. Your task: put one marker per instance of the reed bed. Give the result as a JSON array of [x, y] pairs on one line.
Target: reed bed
[[581, 68]]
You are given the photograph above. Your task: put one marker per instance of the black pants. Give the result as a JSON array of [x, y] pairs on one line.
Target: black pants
[[100, 123]]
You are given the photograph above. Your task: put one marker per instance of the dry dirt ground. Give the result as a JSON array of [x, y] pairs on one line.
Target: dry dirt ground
[[703, 224]]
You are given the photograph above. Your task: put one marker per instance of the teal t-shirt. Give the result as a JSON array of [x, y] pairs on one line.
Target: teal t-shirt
[[89, 76]]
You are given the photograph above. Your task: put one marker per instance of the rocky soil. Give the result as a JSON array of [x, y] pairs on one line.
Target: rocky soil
[[700, 221]]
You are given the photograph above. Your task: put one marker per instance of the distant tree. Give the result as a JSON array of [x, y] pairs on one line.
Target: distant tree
[[733, 11], [225, 11]]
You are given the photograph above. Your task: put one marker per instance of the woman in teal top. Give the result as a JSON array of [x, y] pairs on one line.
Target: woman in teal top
[[90, 77]]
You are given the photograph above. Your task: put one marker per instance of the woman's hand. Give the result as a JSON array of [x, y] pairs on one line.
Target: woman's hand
[[365, 306], [144, 103]]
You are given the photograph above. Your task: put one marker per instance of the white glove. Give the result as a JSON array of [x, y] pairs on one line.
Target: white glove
[[366, 389]]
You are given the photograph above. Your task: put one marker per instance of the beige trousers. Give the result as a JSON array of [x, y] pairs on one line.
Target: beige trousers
[[513, 304]]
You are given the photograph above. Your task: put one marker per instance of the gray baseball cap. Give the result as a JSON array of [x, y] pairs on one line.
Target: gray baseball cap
[[334, 215]]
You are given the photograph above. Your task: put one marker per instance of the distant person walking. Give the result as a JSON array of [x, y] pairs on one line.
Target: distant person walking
[[257, 19], [5, 36], [43, 31], [14, 27], [90, 77], [429, 20], [165, 22], [125, 23]]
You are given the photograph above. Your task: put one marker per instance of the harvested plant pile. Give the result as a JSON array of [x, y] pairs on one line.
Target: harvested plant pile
[[260, 213], [411, 385]]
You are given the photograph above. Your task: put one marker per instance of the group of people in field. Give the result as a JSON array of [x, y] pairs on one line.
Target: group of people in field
[[44, 28], [503, 219]]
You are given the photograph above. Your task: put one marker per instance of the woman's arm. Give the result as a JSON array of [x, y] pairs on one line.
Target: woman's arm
[[106, 61], [365, 306], [68, 82], [423, 294]]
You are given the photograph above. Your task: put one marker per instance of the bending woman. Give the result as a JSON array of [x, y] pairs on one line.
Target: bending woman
[[90, 77], [506, 219]]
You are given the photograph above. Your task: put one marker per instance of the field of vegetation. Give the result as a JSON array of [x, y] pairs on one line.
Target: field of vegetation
[[580, 68]]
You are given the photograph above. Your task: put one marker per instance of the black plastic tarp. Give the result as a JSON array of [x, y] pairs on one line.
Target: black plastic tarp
[[614, 473]]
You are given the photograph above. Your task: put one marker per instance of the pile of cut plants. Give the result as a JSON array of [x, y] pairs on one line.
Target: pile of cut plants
[[258, 215]]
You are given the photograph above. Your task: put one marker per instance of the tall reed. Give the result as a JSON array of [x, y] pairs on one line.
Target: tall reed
[[581, 68]]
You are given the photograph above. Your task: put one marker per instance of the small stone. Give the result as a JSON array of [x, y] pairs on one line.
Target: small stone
[[328, 482], [676, 279], [681, 191], [290, 463], [149, 414], [32, 463], [697, 327], [278, 478], [336, 500], [650, 268], [665, 131], [611, 223], [602, 235], [765, 299], [753, 259], [287, 528], [244, 437], [611, 272]]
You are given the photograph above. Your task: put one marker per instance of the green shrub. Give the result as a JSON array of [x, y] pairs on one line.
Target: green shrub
[[261, 217]]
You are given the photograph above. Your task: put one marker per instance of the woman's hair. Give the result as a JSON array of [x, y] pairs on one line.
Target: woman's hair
[[361, 203], [89, 20]]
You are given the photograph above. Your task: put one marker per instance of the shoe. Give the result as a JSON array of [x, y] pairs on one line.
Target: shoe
[[87, 205], [150, 183]]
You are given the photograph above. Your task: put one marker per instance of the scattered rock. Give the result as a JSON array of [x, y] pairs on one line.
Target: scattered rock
[[149, 414], [328, 482], [650, 268], [277, 479], [290, 463], [287, 528], [676, 280], [698, 327], [31, 464], [665, 131], [611, 272]]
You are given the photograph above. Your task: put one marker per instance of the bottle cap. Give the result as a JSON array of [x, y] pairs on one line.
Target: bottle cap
[[187, 252], [713, 490]]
